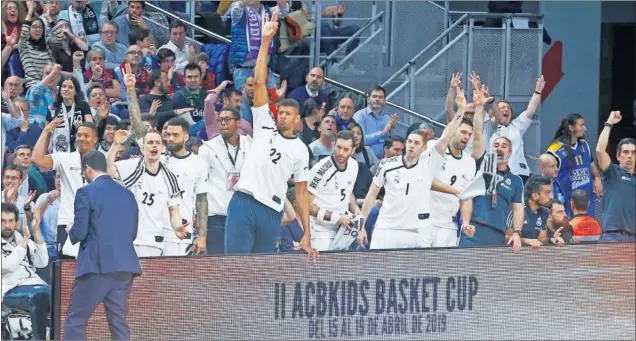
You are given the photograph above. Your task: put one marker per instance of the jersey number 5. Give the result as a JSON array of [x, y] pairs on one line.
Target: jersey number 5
[[274, 155], [342, 194], [149, 199]]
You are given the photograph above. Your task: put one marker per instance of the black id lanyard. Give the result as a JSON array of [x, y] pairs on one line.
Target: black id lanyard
[[233, 160]]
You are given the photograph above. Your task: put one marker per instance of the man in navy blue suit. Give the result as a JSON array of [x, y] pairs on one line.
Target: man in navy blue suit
[[105, 225]]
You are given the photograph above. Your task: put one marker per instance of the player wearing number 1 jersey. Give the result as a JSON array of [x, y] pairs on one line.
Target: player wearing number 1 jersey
[[407, 182], [331, 182], [254, 215], [156, 191]]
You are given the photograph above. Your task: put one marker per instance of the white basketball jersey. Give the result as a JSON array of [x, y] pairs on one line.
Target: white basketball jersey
[[154, 193], [331, 188], [346, 235], [456, 172], [406, 203], [69, 166]]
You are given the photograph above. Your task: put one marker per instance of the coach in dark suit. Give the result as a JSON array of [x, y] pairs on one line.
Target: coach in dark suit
[[105, 225]]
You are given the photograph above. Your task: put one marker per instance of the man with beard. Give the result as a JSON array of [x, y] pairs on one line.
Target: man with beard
[[499, 193], [255, 211], [192, 176], [106, 131], [83, 20], [331, 203], [315, 79], [22, 288], [457, 170], [407, 181], [557, 221], [51, 10], [133, 19], [158, 83], [323, 146], [69, 166], [375, 122], [538, 192], [619, 195], [192, 95], [225, 156]]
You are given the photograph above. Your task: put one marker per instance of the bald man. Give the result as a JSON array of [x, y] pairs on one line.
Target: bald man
[[548, 167], [14, 86]]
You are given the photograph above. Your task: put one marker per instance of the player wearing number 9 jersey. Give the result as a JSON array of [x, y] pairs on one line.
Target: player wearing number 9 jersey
[[331, 182], [255, 211], [155, 188], [407, 182]]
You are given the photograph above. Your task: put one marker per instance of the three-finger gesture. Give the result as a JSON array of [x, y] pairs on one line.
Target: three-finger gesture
[[130, 79], [456, 80], [121, 136]]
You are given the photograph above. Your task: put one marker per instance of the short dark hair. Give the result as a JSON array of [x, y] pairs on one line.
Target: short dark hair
[[155, 75], [580, 200], [164, 53], [624, 141], [150, 118], [388, 142], [235, 113], [15, 168], [96, 160], [534, 184], [202, 57], [467, 122], [111, 23], [95, 87], [377, 88], [191, 66], [176, 24], [143, 3], [123, 123], [228, 93], [344, 135], [179, 122], [8, 207], [22, 146], [290, 102], [89, 125], [137, 34], [420, 134], [101, 127], [555, 202]]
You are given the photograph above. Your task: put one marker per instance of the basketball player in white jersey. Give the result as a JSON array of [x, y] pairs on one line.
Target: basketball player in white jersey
[[69, 168], [458, 169], [407, 182], [331, 182], [254, 215], [192, 176]]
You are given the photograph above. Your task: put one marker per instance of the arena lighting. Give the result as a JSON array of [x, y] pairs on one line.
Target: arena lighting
[[577, 291]]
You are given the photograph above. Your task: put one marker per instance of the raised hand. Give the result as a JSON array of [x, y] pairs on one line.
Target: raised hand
[[5, 93], [29, 197], [53, 195], [78, 56], [35, 222], [475, 80], [11, 193], [614, 117], [460, 99], [282, 90], [24, 125], [104, 110], [156, 104], [97, 72], [540, 84], [12, 40], [130, 79], [51, 126], [270, 25], [556, 238], [121, 136], [479, 96], [26, 235], [456, 80]]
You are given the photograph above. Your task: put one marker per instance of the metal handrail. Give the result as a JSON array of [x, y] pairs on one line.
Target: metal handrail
[[496, 15], [189, 24], [351, 39], [421, 53], [436, 4], [328, 80]]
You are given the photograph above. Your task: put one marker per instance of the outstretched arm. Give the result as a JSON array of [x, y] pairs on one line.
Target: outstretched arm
[[452, 126], [270, 27]]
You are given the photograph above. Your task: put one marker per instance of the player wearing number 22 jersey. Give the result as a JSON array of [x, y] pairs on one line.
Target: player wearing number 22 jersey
[[407, 182]]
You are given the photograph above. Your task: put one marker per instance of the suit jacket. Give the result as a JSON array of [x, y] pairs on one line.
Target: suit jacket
[[106, 216]]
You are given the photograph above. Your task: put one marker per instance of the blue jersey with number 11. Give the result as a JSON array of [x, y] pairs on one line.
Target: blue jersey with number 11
[[575, 171]]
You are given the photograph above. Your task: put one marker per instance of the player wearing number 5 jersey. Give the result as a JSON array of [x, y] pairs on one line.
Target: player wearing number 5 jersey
[[407, 182], [331, 182], [156, 191], [254, 215]]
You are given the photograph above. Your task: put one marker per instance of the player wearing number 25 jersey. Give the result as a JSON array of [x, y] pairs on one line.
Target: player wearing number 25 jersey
[[156, 191], [331, 182]]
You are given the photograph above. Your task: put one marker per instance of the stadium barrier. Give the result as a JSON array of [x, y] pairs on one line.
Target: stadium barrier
[[573, 292]]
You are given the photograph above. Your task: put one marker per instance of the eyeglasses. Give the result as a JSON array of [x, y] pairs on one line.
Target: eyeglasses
[[134, 53], [109, 33], [224, 120], [37, 27], [9, 177]]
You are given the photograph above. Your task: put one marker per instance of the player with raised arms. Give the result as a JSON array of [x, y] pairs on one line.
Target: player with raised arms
[[255, 211]]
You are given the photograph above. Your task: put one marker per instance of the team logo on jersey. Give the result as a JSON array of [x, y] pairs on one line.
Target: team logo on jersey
[[539, 222], [508, 182], [397, 178]]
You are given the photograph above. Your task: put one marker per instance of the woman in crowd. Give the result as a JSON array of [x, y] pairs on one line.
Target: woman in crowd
[[34, 51], [312, 114], [11, 19], [71, 108], [364, 154], [64, 43]]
